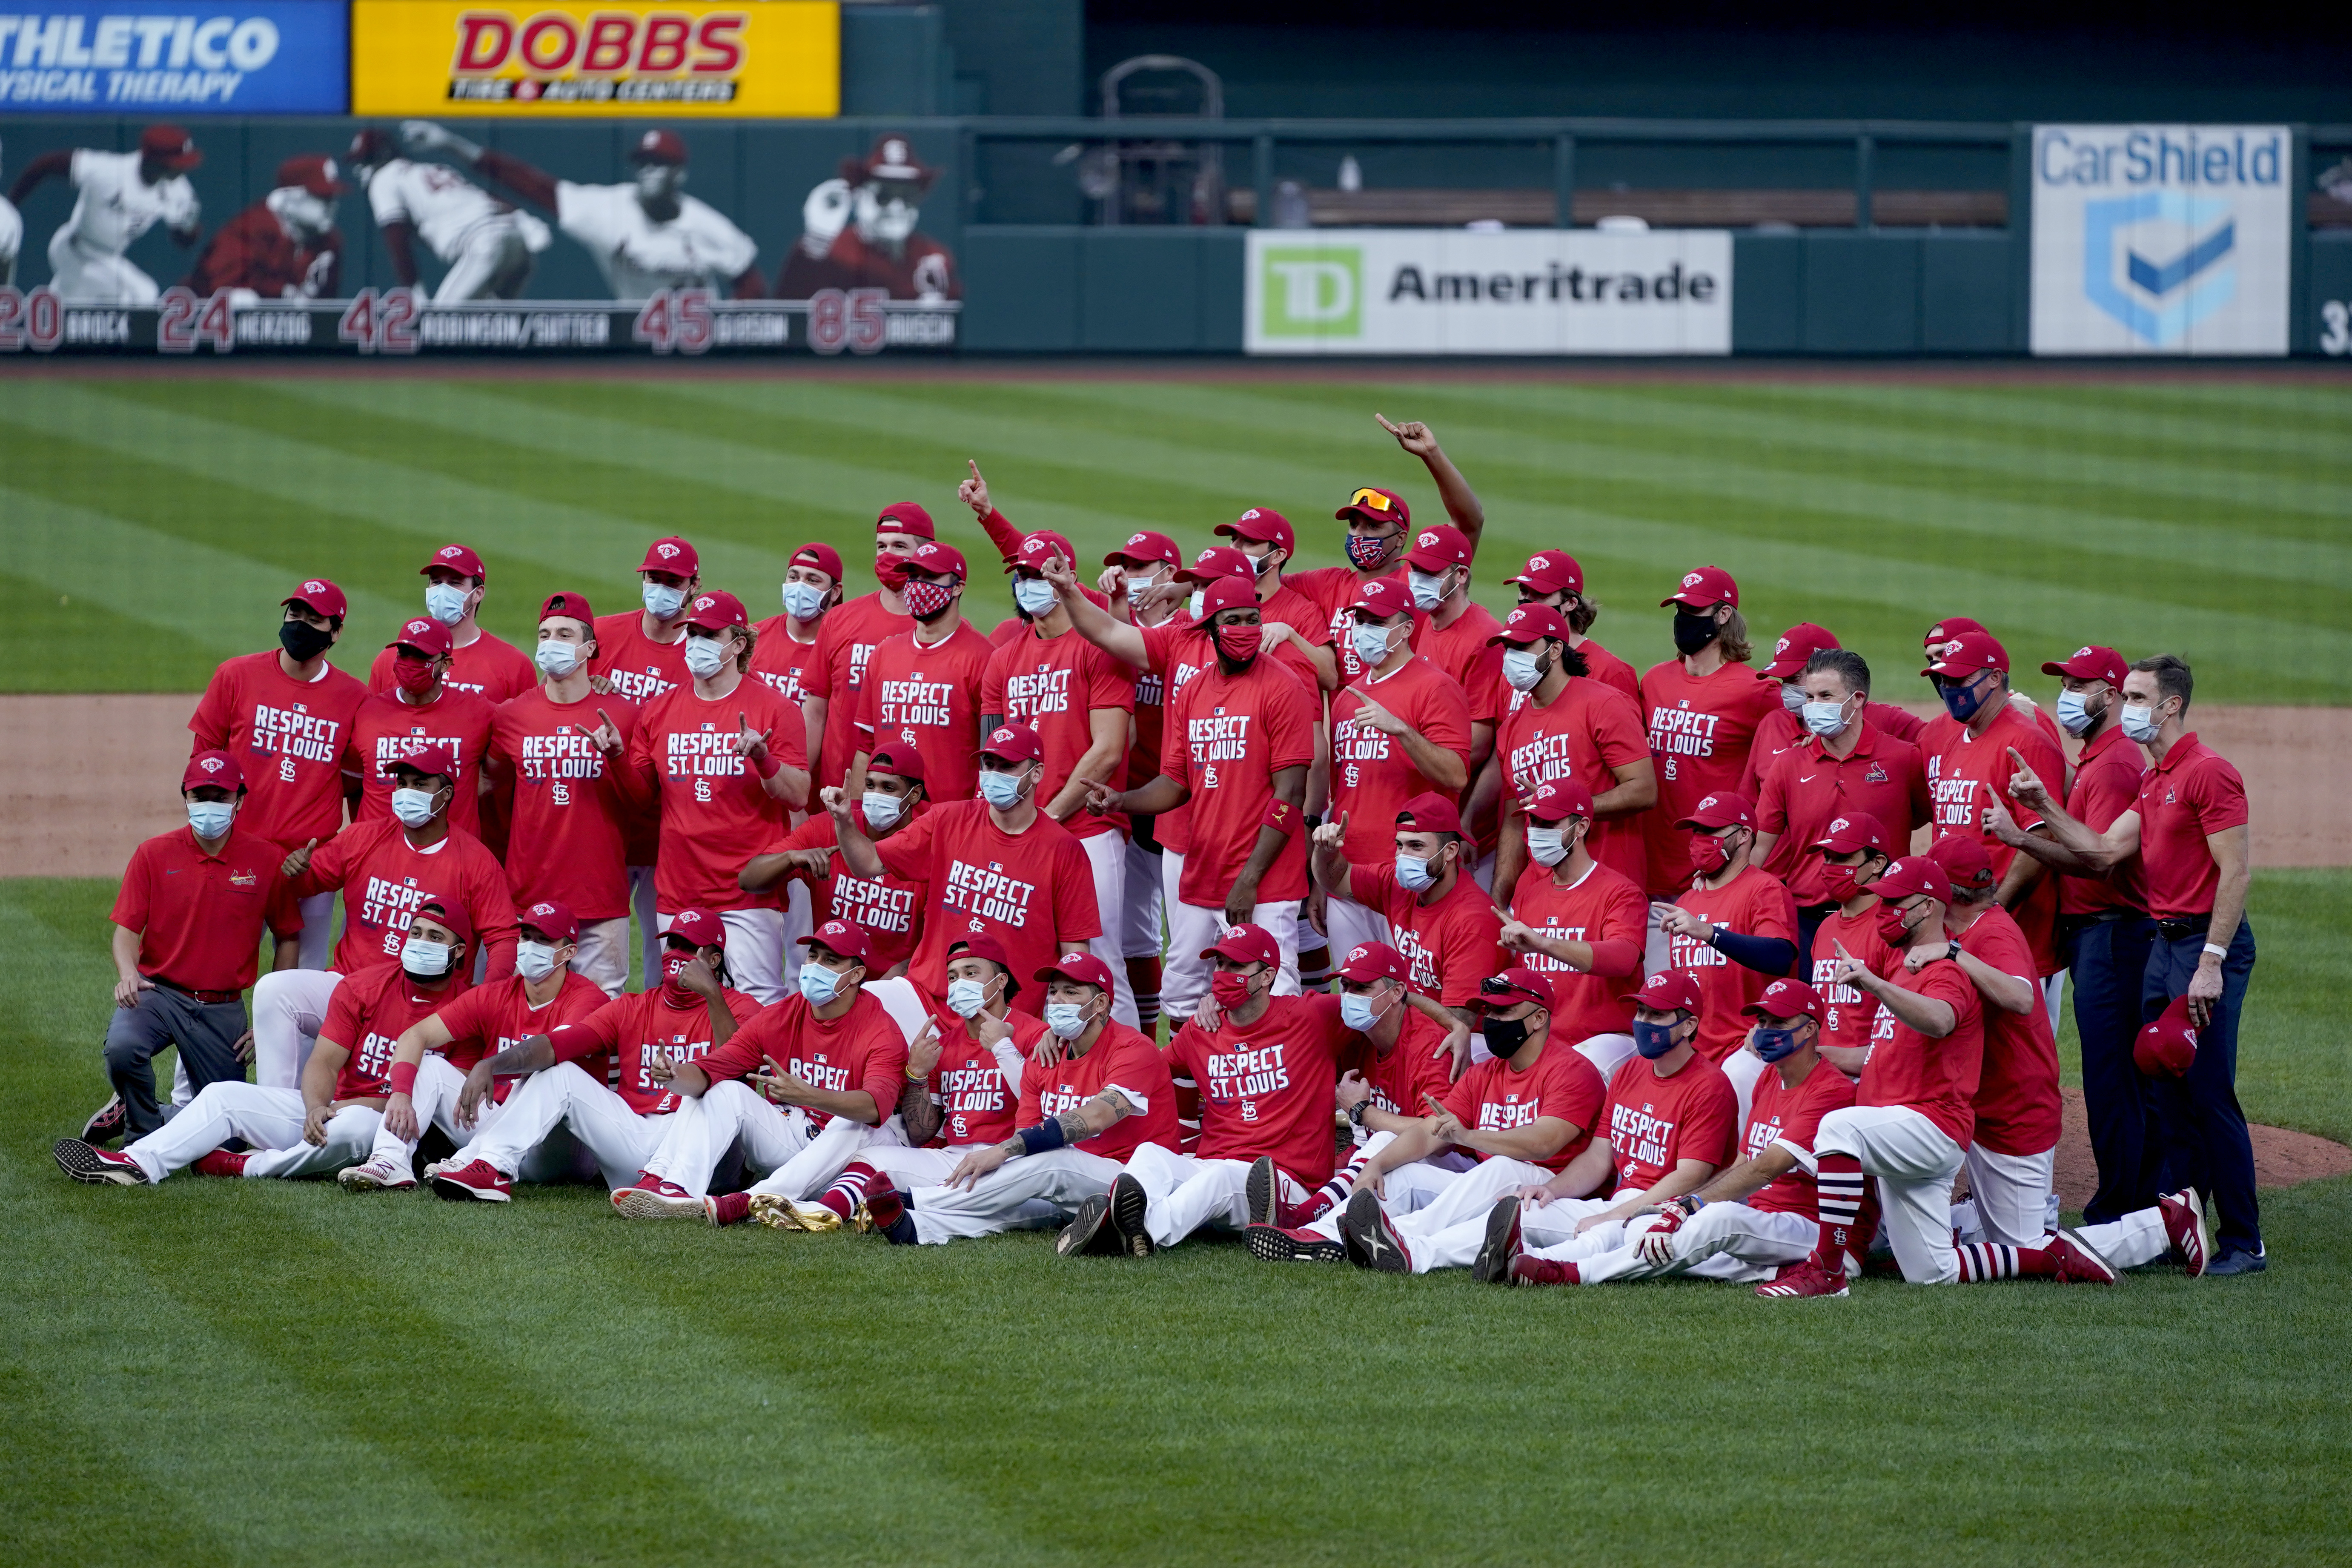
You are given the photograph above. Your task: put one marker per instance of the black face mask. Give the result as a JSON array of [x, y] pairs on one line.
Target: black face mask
[[1693, 633], [302, 641], [1504, 1036]]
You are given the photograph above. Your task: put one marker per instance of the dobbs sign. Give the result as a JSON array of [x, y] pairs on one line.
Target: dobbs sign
[[1521, 292], [778, 58]]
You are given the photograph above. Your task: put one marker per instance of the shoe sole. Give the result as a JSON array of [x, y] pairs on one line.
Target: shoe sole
[[636, 1203], [2189, 1199], [1493, 1264], [2074, 1240], [1272, 1246], [1364, 1231], [1083, 1235], [1261, 1192], [457, 1192], [1130, 1214], [774, 1212], [79, 1160]]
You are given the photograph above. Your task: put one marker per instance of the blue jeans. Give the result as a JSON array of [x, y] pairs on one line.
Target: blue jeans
[[2107, 963], [2198, 1118]]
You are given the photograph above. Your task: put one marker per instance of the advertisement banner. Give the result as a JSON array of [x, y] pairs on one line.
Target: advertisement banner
[[2161, 239], [130, 56], [778, 59], [1459, 291]]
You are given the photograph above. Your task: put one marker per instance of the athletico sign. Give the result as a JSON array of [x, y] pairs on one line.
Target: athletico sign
[[2169, 239], [1454, 292], [778, 59], [118, 57]]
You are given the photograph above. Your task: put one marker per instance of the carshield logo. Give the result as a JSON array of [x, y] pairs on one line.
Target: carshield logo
[[2160, 262], [1312, 291]]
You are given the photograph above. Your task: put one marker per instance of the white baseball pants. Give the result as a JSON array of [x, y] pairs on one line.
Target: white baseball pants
[[603, 954], [1019, 1192], [1608, 1053], [434, 1098], [799, 920], [290, 1006], [1107, 856], [2011, 1193], [1722, 1241], [318, 929], [1406, 1190], [1186, 1193], [800, 1160], [1347, 924], [2138, 1238], [492, 262], [1191, 929], [1138, 906], [269, 1119], [85, 277], [1448, 1233], [1915, 1163], [564, 1097]]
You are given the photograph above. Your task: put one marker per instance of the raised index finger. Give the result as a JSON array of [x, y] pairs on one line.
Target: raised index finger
[[1386, 425]]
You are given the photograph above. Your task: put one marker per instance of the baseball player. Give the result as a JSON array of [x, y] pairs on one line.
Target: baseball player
[[284, 247], [1793, 657], [485, 245], [597, 1080], [187, 932], [120, 196], [487, 666], [1265, 540], [1853, 851], [858, 231], [922, 686], [1444, 923], [1555, 580], [645, 235], [1734, 930], [835, 678], [431, 1058], [788, 641], [1580, 923], [889, 909], [422, 709], [1457, 638], [1911, 1120], [331, 1120], [1130, 571], [1751, 1220], [640, 654], [12, 239], [285, 715]]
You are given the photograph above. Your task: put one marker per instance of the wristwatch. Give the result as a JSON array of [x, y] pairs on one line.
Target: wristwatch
[[1953, 951], [1356, 1111]]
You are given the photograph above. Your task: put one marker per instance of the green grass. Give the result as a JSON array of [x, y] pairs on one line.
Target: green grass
[[266, 1373], [156, 521]]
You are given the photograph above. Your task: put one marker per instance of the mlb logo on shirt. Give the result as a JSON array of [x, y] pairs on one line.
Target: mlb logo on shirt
[[411, 882], [1684, 703], [707, 729], [996, 865], [1218, 712], [416, 728], [301, 707]]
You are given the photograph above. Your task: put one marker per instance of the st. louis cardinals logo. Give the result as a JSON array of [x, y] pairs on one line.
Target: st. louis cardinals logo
[[314, 586], [212, 764], [419, 628], [1837, 826], [1781, 646], [447, 551], [1135, 539], [666, 551], [704, 603], [1691, 579], [538, 912]]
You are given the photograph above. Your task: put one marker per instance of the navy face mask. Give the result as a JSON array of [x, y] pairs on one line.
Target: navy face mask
[[1773, 1045], [1653, 1040]]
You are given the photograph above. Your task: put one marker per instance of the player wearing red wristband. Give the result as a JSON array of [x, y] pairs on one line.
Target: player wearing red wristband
[[488, 667], [835, 678], [1579, 923]]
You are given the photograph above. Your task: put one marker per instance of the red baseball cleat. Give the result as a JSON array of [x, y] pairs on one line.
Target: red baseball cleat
[[221, 1163], [478, 1180], [654, 1198], [2184, 1222], [1496, 1253], [1526, 1270], [1275, 1244], [2077, 1263], [727, 1208], [98, 1167], [1806, 1278]]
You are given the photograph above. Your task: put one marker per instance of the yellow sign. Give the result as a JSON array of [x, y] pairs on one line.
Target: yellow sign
[[768, 59]]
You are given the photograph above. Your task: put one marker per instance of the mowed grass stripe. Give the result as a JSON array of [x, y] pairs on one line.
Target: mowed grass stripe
[[113, 650]]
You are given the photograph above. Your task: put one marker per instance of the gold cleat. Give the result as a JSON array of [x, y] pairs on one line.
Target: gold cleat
[[784, 1214]]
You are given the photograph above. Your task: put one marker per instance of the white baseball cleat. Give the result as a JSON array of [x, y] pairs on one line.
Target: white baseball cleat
[[376, 1175]]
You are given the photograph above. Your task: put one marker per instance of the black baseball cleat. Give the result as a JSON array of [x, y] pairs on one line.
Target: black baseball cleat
[[1129, 1206], [1090, 1233], [1276, 1245], [1370, 1241], [1263, 1192], [105, 1125], [1493, 1264]]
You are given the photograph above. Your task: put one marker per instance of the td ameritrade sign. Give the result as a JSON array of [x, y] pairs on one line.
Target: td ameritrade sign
[[1458, 291], [2161, 239]]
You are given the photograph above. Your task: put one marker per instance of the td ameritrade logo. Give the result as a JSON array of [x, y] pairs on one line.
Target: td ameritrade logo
[[1312, 291]]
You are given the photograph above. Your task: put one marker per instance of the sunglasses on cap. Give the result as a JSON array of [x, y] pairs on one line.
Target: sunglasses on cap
[[1495, 986], [1372, 499]]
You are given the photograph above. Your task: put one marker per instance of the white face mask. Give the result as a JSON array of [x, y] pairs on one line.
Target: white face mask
[[881, 810], [1033, 595], [1792, 696], [1522, 670], [1000, 790], [2075, 714], [1370, 643], [1357, 1012], [819, 984], [1066, 1019], [413, 806], [705, 656], [535, 960], [967, 997], [1258, 563], [2140, 723], [803, 600], [1200, 598], [446, 604], [1414, 873], [1824, 719], [211, 818], [429, 960], [664, 601], [1137, 581], [1546, 846], [1428, 592], [559, 658]]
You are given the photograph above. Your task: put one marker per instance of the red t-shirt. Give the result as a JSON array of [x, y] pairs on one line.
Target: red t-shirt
[[1965, 776], [387, 729], [1033, 890], [1654, 1123], [1057, 684], [2106, 785], [1937, 1079], [384, 878], [1753, 903], [886, 910], [631, 1031], [1494, 1098], [1805, 789], [1780, 1114], [1413, 1066], [1701, 729], [567, 813], [289, 738], [1603, 906], [1449, 946], [639, 667], [1175, 651], [2186, 798], [1782, 731], [1462, 651], [715, 813], [367, 1015], [489, 667], [1851, 1016], [1332, 590], [1238, 732], [498, 1016], [1586, 734], [1121, 1059], [862, 1049], [1150, 709], [200, 917], [1372, 775], [845, 640], [928, 693], [2017, 1095], [1265, 1087], [1602, 666], [782, 663], [976, 1105]]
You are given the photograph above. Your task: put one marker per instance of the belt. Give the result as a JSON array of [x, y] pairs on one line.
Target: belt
[[1822, 910], [209, 998], [2100, 918], [2181, 926]]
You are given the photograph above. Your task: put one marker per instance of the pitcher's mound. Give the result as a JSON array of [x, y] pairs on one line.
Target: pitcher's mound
[[2281, 1158]]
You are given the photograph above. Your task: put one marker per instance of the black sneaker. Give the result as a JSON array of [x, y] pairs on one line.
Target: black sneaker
[[1263, 1192], [1129, 1203], [1370, 1241], [1276, 1245], [106, 1124], [1090, 1233], [1493, 1264]]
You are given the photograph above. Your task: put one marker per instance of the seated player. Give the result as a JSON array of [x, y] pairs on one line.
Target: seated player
[[689, 1011], [1751, 1220], [1579, 921]]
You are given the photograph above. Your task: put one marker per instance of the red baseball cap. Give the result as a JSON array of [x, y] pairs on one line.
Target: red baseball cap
[[1948, 628], [1704, 589], [819, 555], [1040, 547], [2091, 664], [1147, 549], [898, 759], [1557, 799], [1012, 744], [573, 607], [1375, 505], [320, 597], [1797, 644], [1384, 597], [432, 762], [1083, 967], [1228, 593], [1724, 808], [1854, 830], [718, 611], [425, 634], [1513, 986], [840, 938], [1551, 572], [553, 921], [699, 927], [1261, 525], [2167, 1046], [1438, 546], [982, 945], [906, 517], [450, 912], [1962, 856], [1531, 623], [1430, 813], [1786, 999], [1246, 943], [314, 172], [1669, 991], [1968, 653], [659, 147], [456, 558], [930, 555], [217, 769], [1369, 961], [673, 556], [170, 146], [1215, 564], [1912, 876]]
